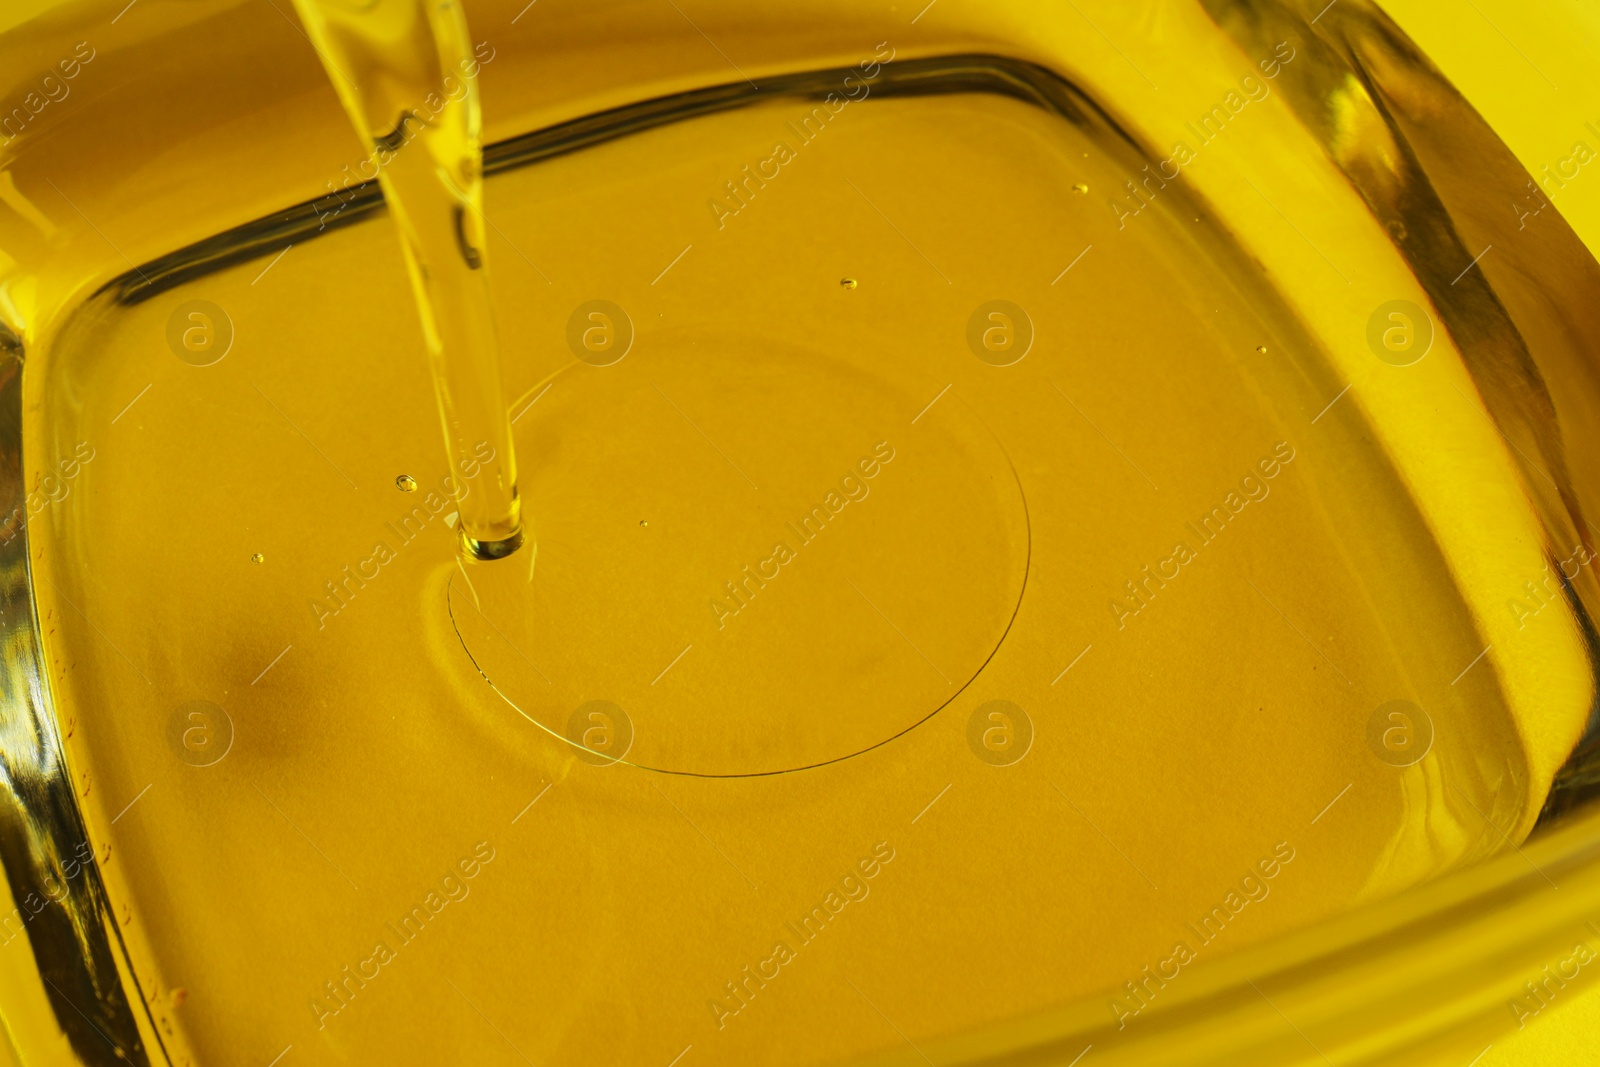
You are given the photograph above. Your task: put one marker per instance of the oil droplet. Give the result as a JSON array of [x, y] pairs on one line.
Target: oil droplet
[[258, 558], [847, 283], [406, 484], [1080, 187], [1262, 349], [644, 522]]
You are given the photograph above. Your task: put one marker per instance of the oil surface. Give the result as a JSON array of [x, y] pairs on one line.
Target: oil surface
[[1078, 563]]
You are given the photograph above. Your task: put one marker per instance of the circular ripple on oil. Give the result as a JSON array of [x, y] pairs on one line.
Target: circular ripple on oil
[[816, 576]]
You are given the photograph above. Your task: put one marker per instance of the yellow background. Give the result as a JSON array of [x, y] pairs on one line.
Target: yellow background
[[1528, 69]]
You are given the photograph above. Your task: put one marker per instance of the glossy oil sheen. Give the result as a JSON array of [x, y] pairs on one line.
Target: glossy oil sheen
[[801, 741]]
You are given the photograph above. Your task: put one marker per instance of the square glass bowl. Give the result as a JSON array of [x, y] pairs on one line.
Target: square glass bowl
[[1060, 532]]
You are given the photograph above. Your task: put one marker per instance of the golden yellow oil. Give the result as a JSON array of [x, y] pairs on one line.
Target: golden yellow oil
[[973, 574], [407, 77]]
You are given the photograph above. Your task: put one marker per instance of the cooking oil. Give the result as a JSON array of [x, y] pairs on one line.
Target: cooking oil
[[983, 564]]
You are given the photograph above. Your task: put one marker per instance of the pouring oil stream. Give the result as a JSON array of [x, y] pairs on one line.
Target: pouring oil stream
[[385, 58]]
